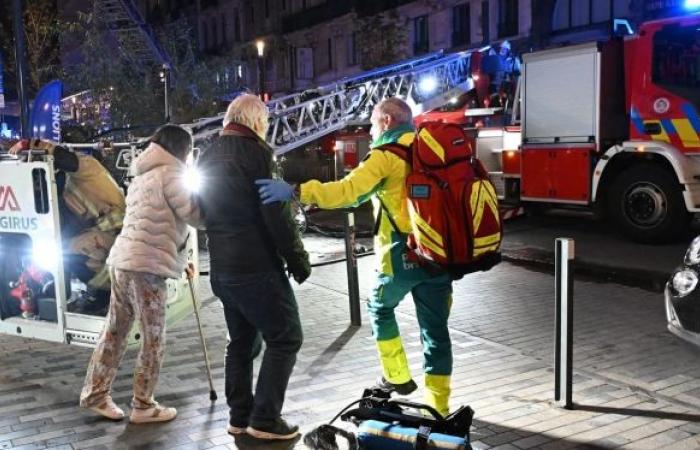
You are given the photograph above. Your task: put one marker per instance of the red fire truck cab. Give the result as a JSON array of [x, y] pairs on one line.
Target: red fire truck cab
[[609, 126]]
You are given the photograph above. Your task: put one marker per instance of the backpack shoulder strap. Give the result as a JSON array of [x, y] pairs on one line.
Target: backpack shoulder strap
[[402, 151], [405, 154], [384, 210]]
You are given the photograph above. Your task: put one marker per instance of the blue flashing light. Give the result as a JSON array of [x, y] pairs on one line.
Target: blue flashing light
[[692, 4], [622, 27]]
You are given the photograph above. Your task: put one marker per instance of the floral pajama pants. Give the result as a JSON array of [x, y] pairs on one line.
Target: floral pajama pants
[[135, 296]]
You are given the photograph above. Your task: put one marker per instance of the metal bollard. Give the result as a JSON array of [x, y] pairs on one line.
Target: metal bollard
[[564, 318], [351, 258]]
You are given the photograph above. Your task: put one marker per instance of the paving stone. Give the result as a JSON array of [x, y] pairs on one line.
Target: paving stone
[[625, 364], [532, 441]]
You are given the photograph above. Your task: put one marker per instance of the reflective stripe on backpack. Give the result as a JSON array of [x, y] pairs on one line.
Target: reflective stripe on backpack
[[484, 202]]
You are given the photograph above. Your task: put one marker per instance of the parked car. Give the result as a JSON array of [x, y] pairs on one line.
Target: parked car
[[682, 297]]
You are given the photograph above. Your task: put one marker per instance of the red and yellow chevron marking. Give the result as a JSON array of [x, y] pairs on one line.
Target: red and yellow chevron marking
[[428, 236], [483, 196], [433, 144]]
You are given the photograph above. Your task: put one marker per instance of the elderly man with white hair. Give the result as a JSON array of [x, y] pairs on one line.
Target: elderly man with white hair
[[382, 177], [249, 246]]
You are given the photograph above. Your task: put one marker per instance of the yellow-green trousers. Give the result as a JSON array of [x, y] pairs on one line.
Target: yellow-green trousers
[[432, 295]]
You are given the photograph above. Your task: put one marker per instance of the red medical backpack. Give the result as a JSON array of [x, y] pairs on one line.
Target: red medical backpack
[[455, 220]]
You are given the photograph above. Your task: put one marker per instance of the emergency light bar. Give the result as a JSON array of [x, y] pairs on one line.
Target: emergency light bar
[[623, 27]]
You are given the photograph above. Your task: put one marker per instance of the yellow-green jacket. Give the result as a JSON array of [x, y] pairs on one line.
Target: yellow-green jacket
[[382, 174]]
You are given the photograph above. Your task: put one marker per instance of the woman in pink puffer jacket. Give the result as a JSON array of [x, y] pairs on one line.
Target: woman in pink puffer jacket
[[149, 249]]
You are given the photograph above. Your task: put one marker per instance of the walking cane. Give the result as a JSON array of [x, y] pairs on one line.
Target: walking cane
[[190, 275]]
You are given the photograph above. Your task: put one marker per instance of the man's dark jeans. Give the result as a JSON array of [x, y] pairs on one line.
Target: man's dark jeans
[[258, 307]]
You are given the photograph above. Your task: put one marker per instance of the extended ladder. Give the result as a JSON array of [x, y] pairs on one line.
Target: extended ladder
[[135, 36], [424, 83]]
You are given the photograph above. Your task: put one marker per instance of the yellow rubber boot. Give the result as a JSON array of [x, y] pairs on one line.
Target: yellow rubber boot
[[437, 392], [394, 362]]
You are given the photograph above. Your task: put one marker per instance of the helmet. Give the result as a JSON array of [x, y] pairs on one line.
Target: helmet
[[505, 48]]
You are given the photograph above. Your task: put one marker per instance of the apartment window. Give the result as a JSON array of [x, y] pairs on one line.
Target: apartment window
[[507, 18], [323, 56], [224, 37], [582, 13], [267, 9], [282, 69], [485, 21], [284, 5], [330, 54], [292, 65], [252, 14], [303, 63], [205, 36], [421, 43], [352, 49], [461, 30], [603, 11], [214, 34], [236, 26]]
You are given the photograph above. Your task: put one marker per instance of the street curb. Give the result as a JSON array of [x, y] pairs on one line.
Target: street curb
[[650, 280]]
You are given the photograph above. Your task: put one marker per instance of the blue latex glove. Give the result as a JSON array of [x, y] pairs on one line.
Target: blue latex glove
[[274, 191]]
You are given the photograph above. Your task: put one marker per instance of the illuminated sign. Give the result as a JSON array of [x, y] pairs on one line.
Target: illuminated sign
[[12, 223], [8, 199], [8, 202], [23, 209]]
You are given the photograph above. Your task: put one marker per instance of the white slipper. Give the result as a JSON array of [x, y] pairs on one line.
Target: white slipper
[[108, 409]]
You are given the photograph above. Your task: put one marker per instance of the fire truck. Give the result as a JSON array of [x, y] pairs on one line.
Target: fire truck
[[36, 285], [611, 127]]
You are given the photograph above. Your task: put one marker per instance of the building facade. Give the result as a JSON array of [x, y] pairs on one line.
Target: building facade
[[311, 42], [308, 43]]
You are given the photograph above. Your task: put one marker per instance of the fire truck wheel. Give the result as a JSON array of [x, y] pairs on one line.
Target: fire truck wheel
[[646, 204]]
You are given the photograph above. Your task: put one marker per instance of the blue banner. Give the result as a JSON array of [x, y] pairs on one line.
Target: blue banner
[[2, 83], [45, 119]]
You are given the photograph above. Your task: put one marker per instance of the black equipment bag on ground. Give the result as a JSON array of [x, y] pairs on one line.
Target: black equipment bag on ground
[[388, 424]]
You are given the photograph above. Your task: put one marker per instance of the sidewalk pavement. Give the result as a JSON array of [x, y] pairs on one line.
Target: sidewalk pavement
[[636, 386], [600, 252]]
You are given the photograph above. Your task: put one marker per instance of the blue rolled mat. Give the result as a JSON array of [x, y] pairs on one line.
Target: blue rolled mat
[[376, 435]]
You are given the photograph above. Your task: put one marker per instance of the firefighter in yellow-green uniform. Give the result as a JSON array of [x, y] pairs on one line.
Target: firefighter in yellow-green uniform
[[381, 178], [92, 209]]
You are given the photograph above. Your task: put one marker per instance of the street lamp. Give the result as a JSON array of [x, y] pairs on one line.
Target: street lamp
[[165, 79], [21, 62], [260, 44]]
